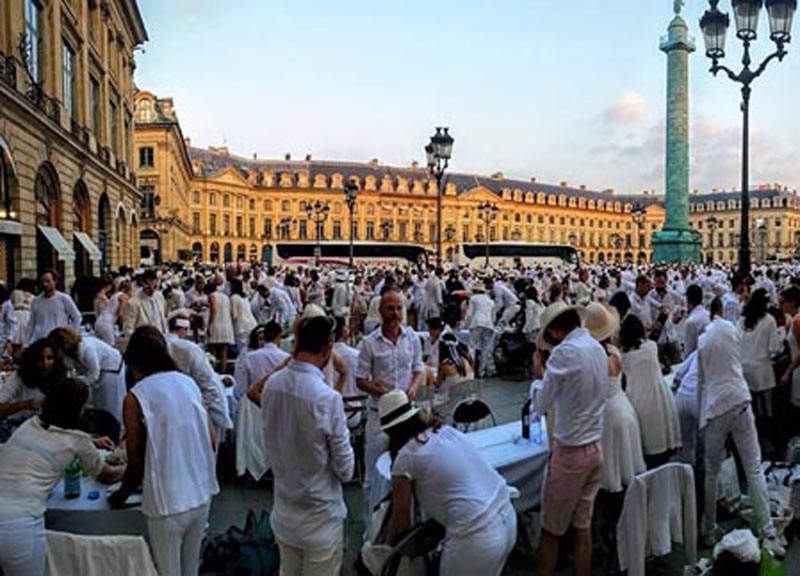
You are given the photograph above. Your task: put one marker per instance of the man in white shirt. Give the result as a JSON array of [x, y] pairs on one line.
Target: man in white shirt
[[640, 304], [390, 358], [309, 510], [256, 366], [732, 300], [145, 308], [51, 309], [434, 297], [192, 361], [342, 296], [281, 303], [725, 410], [479, 320], [696, 321], [574, 386]]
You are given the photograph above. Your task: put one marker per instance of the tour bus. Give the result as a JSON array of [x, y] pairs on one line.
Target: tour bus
[[337, 254], [514, 254]]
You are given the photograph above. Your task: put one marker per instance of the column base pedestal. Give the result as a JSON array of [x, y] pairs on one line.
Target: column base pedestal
[[677, 246]]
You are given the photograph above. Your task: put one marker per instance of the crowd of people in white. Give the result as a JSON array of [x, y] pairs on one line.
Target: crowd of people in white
[[633, 366]]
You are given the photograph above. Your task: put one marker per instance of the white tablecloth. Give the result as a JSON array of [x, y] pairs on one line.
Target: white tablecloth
[[521, 462], [70, 555]]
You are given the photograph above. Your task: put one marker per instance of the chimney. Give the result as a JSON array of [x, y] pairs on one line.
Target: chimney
[[308, 157], [564, 184], [533, 179], [415, 165], [287, 156], [498, 176], [582, 187], [608, 191], [374, 162]]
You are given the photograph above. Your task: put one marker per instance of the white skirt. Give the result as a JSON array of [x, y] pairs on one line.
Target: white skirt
[[622, 444]]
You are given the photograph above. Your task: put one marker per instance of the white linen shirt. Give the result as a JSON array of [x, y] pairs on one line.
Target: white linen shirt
[[393, 365], [696, 323], [756, 353], [307, 439], [721, 380], [57, 311], [191, 360], [480, 312], [255, 364], [575, 385]]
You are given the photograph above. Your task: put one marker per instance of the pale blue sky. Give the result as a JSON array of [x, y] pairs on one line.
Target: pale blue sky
[[562, 91]]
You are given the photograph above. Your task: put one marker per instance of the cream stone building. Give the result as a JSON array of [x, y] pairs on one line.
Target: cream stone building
[[68, 198], [238, 208]]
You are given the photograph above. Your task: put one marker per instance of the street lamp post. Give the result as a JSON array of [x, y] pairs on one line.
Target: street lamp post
[[715, 26], [712, 226], [487, 212], [350, 195], [638, 213], [318, 213], [438, 153]]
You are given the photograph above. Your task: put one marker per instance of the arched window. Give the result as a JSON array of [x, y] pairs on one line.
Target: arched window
[[214, 252], [228, 252], [197, 251]]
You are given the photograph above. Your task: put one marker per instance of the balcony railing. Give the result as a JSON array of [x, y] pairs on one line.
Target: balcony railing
[[8, 70]]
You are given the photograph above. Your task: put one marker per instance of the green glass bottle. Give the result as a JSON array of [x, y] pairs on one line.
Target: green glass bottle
[[72, 479]]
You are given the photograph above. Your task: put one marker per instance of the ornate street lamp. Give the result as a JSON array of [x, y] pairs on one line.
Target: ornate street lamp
[[639, 214], [350, 196], [712, 223], [318, 213], [487, 212], [714, 25], [438, 153]]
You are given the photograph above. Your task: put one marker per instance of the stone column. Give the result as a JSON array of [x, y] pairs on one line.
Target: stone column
[[677, 242]]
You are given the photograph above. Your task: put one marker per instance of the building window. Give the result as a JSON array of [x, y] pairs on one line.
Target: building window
[[212, 199], [112, 111], [226, 224], [68, 79], [32, 38], [212, 224], [239, 203], [196, 197], [465, 233], [252, 226], [226, 201], [267, 205], [196, 222], [370, 231], [252, 205], [148, 206], [303, 229], [146, 159], [286, 206], [268, 228], [239, 226], [417, 231], [94, 104]]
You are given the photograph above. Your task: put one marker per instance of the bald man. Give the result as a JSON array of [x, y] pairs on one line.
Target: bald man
[[390, 358]]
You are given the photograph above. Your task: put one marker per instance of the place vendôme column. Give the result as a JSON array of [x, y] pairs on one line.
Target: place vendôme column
[[677, 242]]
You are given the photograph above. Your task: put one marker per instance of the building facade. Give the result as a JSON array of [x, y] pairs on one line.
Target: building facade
[[227, 208], [68, 198]]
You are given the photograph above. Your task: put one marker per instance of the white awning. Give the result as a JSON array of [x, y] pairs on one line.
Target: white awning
[[88, 245], [59, 244]]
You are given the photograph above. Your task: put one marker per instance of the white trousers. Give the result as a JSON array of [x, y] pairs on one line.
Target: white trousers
[[688, 415], [483, 341], [175, 541], [483, 551], [740, 423], [315, 562], [376, 443], [23, 547]]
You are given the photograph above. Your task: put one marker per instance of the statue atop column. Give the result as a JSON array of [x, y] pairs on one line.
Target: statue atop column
[[678, 6]]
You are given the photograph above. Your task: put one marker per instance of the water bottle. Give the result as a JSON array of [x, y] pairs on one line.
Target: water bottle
[[526, 419], [72, 479]]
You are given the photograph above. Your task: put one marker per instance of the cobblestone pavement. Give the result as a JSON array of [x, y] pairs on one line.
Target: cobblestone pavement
[[505, 398]]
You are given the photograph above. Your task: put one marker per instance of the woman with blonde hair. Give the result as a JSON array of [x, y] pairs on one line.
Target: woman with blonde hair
[[98, 363]]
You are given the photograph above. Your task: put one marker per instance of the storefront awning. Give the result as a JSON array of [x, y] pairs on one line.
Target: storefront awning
[[88, 245], [59, 244]]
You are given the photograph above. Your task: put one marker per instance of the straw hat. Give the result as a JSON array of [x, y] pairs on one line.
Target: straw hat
[[601, 322], [395, 408], [550, 313]]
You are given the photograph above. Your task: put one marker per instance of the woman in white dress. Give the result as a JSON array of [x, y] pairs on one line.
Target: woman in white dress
[[243, 319], [759, 331], [220, 325], [623, 457], [104, 312], [98, 363], [790, 305], [649, 394]]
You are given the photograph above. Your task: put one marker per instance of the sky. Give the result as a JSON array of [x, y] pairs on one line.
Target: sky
[[547, 89]]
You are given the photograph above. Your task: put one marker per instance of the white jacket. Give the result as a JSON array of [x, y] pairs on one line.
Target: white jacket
[[480, 312]]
